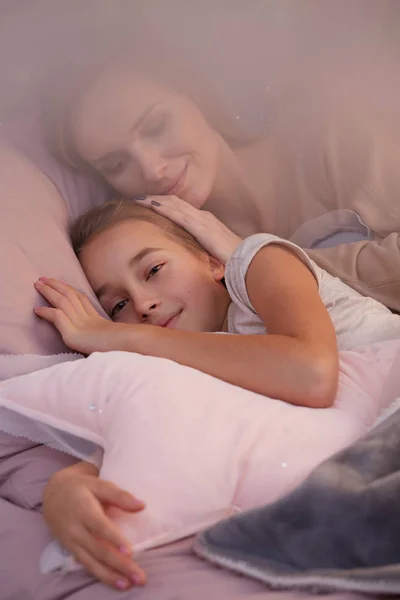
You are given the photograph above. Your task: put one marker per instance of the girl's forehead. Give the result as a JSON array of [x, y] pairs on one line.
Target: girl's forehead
[[135, 233]]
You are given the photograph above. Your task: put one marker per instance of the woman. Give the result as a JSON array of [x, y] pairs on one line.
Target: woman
[[144, 137]]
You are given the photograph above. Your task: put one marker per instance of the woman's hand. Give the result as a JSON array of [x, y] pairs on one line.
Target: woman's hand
[[71, 312], [74, 503], [213, 235]]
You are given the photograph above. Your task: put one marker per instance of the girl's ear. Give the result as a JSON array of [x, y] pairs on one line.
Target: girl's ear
[[217, 268]]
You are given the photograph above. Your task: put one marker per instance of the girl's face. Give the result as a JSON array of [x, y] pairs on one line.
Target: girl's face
[[141, 275], [146, 139]]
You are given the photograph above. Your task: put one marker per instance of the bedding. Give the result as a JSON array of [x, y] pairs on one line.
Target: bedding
[[78, 190], [174, 572], [33, 242], [197, 451], [331, 229], [337, 531], [38, 196]]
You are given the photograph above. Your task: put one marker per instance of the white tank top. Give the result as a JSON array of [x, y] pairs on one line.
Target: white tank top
[[358, 320]]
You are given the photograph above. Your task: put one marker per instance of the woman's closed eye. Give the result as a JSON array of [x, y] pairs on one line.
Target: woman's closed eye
[[117, 308], [155, 126], [115, 167]]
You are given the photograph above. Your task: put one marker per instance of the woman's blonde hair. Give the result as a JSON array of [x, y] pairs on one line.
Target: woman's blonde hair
[[76, 80], [58, 105], [118, 210]]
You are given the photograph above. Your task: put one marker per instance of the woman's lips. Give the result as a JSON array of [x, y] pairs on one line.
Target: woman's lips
[[177, 187]]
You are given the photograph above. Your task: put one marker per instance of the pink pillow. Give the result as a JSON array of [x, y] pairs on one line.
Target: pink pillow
[[33, 242], [191, 446], [77, 189]]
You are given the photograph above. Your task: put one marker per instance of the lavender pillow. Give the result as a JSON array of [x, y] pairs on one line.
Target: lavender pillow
[[33, 242]]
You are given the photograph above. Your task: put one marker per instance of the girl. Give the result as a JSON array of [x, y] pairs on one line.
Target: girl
[[162, 289], [164, 293], [164, 296]]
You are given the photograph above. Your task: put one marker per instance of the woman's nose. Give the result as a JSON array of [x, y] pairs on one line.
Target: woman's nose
[[152, 164]]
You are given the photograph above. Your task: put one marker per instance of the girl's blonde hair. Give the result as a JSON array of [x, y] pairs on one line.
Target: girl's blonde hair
[[101, 218]]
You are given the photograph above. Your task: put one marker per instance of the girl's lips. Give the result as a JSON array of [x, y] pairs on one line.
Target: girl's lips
[[171, 321]]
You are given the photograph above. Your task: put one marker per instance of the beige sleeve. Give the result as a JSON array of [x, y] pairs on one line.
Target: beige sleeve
[[363, 162]]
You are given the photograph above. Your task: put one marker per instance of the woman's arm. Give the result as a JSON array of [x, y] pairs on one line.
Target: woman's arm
[[297, 361], [359, 152]]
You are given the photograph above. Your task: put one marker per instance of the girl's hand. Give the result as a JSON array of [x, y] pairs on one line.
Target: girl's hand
[[74, 509], [213, 235], [71, 312]]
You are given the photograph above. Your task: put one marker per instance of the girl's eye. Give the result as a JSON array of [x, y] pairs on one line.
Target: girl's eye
[[153, 271], [155, 126], [117, 308]]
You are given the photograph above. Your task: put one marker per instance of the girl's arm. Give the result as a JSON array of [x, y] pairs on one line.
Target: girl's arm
[[74, 502], [297, 361]]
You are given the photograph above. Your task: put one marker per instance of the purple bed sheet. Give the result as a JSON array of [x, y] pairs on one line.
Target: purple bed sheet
[[174, 572]]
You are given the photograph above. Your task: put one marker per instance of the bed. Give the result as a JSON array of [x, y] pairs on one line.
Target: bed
[[32, 184], [174, 572]]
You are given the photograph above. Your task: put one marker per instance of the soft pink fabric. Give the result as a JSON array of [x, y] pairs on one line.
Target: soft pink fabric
[[33, 242], [191, 446], [78, 190]]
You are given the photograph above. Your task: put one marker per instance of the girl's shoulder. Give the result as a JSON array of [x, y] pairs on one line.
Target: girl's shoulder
[[239, 262]]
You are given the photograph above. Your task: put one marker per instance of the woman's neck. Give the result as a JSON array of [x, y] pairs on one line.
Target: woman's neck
[[243, 195]]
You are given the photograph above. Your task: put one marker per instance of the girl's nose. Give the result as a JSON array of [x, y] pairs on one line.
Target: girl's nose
[[145, 308], [145, 315]]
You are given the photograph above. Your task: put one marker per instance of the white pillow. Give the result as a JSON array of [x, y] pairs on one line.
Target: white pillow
[[191, 446]]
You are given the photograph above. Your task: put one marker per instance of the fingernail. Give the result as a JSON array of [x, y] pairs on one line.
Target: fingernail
[[42, 278], [121, 584], [125, 550], [140, 197], [135, 503], [155, 203], [137, 580]]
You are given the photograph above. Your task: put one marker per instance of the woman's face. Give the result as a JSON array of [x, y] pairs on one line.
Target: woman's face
[[146, 139]]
